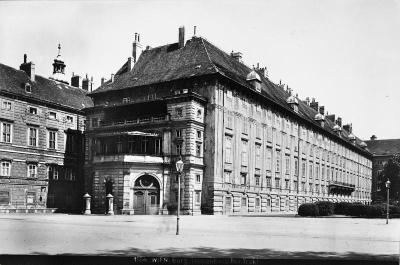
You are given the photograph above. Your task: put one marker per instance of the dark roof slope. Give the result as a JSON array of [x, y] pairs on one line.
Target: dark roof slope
[[384, 147], [199, 57], [44, 89]]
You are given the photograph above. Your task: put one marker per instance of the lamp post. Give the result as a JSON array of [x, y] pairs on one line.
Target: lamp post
[[179, 169], [387, 195]]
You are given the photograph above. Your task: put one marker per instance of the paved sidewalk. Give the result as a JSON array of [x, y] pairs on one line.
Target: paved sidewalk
[[201, 236]]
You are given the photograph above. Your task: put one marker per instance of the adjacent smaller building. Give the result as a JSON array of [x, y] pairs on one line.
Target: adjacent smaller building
[[41, 140], [382, 150]]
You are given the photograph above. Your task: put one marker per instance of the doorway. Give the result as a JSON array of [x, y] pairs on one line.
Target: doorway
[[146, 195]]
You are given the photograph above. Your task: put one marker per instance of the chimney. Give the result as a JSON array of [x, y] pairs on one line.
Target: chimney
[[103, 80], [237, 56], [331, 117], [348, 127], [28, 68], [76, 81], [339, 121], [137, 48], [314, 105], [112, 78], [181, 37], [87, 84], [308, 101], [373, 137], [322, 110], [130, 64]]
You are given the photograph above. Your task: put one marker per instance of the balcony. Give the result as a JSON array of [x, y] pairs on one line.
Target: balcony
[[341, 188], [134, 121], [130, 158]]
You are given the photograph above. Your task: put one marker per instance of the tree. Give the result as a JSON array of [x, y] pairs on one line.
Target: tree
[[391, 171]]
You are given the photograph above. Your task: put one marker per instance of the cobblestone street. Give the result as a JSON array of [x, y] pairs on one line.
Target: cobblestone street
[[201, 236]]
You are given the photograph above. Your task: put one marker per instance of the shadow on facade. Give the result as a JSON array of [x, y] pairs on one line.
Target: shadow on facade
[[65, 189]]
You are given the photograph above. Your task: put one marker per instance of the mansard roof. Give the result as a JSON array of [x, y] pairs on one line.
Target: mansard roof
[[199, 57], [384, 147], [13, 81]]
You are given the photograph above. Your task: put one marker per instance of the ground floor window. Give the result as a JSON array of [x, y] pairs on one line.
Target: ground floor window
[[4, 197], [257, 202], [30, 197], [244, 201], [268, 202]]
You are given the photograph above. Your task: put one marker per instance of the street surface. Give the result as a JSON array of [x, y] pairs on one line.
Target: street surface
[[200, 236]]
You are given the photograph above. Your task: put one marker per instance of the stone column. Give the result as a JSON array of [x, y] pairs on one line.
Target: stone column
[[87, 199], [110, 200]]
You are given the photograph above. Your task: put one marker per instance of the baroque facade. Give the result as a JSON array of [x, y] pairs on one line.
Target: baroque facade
[[41, 148], [249, 145]]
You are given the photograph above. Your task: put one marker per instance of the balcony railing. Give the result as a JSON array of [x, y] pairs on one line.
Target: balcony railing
[[140, 120], [341, 184]]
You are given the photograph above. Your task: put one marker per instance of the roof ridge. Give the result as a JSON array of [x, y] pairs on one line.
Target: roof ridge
[[208, 55]]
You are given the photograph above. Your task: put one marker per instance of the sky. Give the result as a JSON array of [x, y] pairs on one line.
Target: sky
[[343, 53]]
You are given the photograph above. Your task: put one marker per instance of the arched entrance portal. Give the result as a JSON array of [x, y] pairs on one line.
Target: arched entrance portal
[[146, 195]]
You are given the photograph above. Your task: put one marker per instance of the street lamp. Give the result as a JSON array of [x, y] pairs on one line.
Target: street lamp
[[179, 169], [387, 183]]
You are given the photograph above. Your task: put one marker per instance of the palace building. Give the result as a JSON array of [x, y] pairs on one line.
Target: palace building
[[249, 146], [41, 140]]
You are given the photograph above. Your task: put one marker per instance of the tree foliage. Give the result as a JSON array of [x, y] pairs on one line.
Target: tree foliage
[[391, 171]]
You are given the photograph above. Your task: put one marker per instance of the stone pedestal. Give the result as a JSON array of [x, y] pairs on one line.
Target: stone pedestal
[[110, 200], [87, 199]]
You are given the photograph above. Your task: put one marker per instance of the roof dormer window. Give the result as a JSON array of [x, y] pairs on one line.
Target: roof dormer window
[[28, 88], [255, 81]]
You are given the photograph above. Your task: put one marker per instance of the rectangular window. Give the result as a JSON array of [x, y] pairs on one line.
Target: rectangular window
[[277, 183], [32, 136], [52, 136], [30, 197], [229, 120], [310, 187], [228, 149], [179, 112], [70, 119], [296, 167], [257, 202], [69, 174], [6, 105], [295, 185], [269, 202], [269, 159], [227, 176], [243, 179], [32, 171], [52, 115], [268, 180], [126, 100], [287, 186], [52, 172], [5, 168], [269, 134], [258, 156], [244, 153], [4, 197], [303, 186], [310, 171], [178, 133], [287, 165], [278, 161], [198, 197], [303, 168], [245, 126], [198, 178], [198, 149], [257, 180], [33, 110], [179, 149], [198, 134], [244, 201], [6, 132]]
